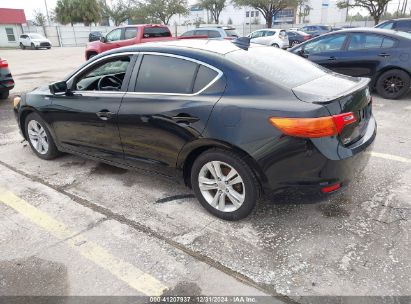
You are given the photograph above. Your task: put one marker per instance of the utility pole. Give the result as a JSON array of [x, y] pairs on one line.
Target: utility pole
[[47, 12]]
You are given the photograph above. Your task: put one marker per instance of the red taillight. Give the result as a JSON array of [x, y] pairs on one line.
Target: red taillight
[[307, 37], [3, 63], [331, 188], [313, 127]]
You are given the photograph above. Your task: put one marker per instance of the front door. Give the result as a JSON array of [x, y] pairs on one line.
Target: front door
[[85, 121]]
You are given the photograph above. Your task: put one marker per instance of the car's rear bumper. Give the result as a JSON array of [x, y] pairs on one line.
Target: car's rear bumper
[[306, 168]]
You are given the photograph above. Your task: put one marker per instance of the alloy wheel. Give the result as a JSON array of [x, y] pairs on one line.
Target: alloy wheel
[[38, 137], [221, 186], [393, 84]]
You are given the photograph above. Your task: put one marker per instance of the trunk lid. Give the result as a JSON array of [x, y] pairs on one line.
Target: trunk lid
[[341, 94]]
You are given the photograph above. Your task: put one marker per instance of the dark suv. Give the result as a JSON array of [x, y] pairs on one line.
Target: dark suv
[[403, 24], [316, 30], [6, 80]]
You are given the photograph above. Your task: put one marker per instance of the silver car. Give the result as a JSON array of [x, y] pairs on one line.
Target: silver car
[[274, 37], [218, 32]]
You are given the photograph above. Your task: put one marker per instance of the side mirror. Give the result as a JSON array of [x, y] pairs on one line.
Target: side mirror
[[58, 87], [103, 39]]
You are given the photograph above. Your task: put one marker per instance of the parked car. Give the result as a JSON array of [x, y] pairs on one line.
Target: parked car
[[294, 29], [382, 55], [232, 120], [402, 24], [94, 36], [316, 30], [273, 37], [128, 35], [34, 41], [297, 37], [218, 32], [6, 79]]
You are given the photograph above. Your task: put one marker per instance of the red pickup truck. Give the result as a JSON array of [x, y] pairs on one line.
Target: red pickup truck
[[128, 35]]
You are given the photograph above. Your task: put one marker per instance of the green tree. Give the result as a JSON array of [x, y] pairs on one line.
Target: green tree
[[163, 10], [39, 18], [214, 6], [118, 11], [376, 8], [73, 11], [268, 8]]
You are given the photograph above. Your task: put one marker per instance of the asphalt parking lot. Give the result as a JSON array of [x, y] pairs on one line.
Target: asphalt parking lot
[[73, 226]]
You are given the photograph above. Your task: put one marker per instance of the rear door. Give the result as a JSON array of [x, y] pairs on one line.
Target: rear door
[[86, 121], [168, 104]]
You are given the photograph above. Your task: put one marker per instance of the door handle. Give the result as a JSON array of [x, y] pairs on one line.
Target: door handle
[[184, 118], [384, 55], [104, 114], [332, 58]]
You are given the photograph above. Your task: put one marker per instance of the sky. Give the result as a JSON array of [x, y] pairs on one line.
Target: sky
[[30, 5]]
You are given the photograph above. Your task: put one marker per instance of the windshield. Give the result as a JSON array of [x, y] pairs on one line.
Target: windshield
[[231, 33], [277, 65], [36, 36]]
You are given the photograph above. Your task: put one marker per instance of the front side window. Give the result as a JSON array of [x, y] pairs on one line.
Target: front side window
[[10, 34], [130, 33], [114, 35], [189, 33], [201, 33], [231, 32], [269, 33], [154, 32], [325, 44], [257, 34], [106, 76]]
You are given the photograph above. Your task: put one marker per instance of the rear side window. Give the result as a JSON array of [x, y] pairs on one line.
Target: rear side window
[[153, 32], [387, 43], [231, 33], [177, 77], [201, 33], [362, 41], [269, 33], [214, 34], [404, 25], [130, 33], [204, 76]]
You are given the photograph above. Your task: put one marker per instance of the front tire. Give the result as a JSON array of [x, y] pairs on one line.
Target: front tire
[[22, 46], [393, 84], [39, 137], [224, 184], [294, 43], [275, 45]]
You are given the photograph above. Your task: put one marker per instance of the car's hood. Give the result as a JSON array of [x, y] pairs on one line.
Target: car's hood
[[329, 87], [94, 43]]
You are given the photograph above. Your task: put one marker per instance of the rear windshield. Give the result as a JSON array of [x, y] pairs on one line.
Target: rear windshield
[[152, 32], [324, 27], [277, 66], [231, 33]]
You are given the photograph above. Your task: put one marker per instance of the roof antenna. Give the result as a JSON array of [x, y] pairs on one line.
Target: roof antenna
[[242, 42]]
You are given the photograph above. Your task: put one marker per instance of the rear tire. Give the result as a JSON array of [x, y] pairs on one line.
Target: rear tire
[[275, 45], [22, 46], [393, 84], [4, 94], [39, 137], [294, 43], [230, 192]]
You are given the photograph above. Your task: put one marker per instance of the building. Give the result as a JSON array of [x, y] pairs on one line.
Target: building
[[319, 11], [11, 21]]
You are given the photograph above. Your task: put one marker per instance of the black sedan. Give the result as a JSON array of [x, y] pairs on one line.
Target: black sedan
[[382, 55], [6, 80], [232, 120]]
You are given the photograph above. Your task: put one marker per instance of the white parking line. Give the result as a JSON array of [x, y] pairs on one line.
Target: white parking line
[[391, 157]]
